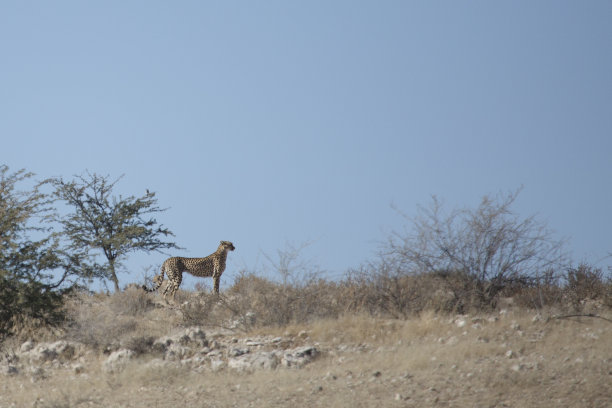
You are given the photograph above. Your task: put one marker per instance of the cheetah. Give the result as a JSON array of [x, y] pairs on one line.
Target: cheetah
[[211, 266]]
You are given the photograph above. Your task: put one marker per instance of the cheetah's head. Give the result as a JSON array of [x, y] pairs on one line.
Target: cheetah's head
[[227, 245]]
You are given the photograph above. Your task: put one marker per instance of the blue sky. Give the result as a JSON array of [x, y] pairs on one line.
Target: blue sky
[[275, 121]]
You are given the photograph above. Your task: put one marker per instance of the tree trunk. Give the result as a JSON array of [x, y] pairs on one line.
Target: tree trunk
[[114, 276]]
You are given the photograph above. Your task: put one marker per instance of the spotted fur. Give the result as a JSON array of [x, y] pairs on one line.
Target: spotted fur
[[211, 266]]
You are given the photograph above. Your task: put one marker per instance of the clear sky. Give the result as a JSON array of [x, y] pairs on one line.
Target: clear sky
[[266, 122]]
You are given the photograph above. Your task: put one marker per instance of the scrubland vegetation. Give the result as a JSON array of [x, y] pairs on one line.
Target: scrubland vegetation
[[469, 307], [130, 349]]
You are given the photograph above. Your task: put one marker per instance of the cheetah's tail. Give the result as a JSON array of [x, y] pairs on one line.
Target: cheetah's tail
[[157, 280]]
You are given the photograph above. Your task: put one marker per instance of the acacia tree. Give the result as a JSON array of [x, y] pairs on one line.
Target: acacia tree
[[113, 226], [490, 247], [29, 288]]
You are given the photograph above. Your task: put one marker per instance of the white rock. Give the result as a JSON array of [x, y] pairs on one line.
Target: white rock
[[255, 361], [157, 363], [196, 335], [27, 346], [63, 349], [176, 352], [217, 364], [189, 336], [235, 352], [118, 360], [452, 341], [8, 370], [193, 362], [265, 360], [42, 353], [299, 357]]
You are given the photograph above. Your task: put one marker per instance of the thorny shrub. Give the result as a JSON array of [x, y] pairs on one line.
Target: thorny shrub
[[254, 300], [585, 282]]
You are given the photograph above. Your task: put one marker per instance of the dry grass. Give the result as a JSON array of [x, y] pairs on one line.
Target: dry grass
[[369, 358], [123, 320], [422, 361]]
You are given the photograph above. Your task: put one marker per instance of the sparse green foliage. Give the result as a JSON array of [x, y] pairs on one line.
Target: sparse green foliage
[[27, 288], [113, 226]]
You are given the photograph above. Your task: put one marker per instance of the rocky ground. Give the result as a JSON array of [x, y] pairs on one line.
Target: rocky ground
[[507, 359]]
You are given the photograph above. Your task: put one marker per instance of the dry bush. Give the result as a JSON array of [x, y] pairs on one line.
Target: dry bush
[[131, 302], [92, 322], [276, 304], [203, 309], [126, 319], [485, 249], [546, 291], [254, 301], [382, 290], [584, 282]]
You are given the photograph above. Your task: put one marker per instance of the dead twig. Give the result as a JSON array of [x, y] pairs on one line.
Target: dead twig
[[583, 315]]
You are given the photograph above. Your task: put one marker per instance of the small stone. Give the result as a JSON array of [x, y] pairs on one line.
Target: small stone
[[27, 346], [118, 360], [398, 397], [217, 365], [9, 370], [176, 352], [300, 356], [376, 374], [235, 352], [509, 354], [329, 376]]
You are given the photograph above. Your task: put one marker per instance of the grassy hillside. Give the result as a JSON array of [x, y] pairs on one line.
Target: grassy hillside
[[256, 346]]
